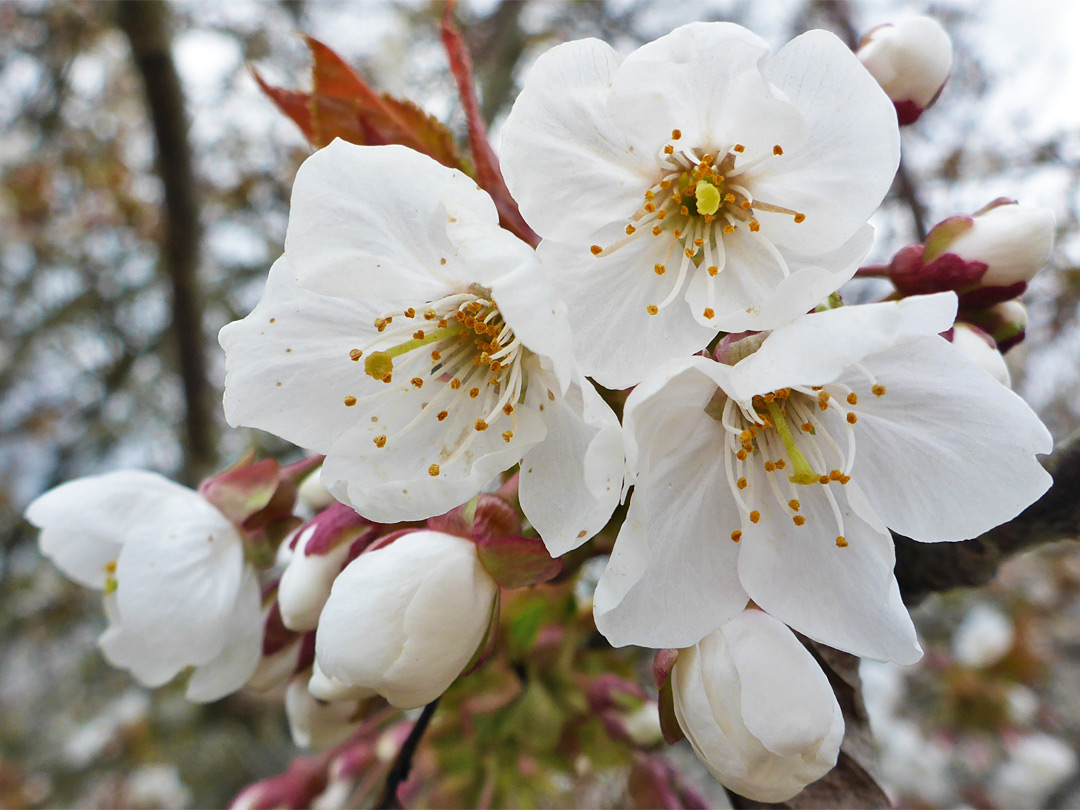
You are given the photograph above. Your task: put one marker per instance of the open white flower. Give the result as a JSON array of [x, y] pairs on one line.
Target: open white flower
[[403, 621], [178, 592], [775, 479], [696, 185], [414, 342], [757, 708]]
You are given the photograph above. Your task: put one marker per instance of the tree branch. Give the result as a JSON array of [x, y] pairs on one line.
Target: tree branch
[[146, 25], [925, 568], [399, 771]]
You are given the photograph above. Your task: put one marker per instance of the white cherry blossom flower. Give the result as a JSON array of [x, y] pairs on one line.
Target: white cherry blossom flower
[[774, 479], [403, 621], [757, 708], [696, 185], [178, 592], [416, 344]]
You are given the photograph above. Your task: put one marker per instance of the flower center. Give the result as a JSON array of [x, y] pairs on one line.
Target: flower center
[[700, 199], [459, 344], [781, 441]]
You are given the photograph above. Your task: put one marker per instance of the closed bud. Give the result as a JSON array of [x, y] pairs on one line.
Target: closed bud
[[319, 724], [980, 348], [321, 549], [1013, 240], [405, 619], [313, 494], [757, 708], [911, 61]]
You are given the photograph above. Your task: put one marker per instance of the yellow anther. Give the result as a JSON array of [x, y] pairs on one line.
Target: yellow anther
[[794, 504], [659, 269], [355, 355], [800, 218], [669, 149], [480, 424], [433, 470], [770, 467], [596, 250], [474, 393], [630, 229], [708, 313], [350, 401], [841, 542], [676, 134], [741, 455], [507, 436], [652, 309], [852, 398], [657, 230], [780, 463], [878, 390], [508, 409], [380, 441], [442, 415], [740, 148], [736, 536], [852, 419], [776, 150], [798, 520], [755, 226], [712, 271], [741, 483], [823, 479], [755, 516]]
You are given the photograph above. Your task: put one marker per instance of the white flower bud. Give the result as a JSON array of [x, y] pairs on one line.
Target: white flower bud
[[1011, 315], [980, 348], [306, 581], [404, 620], [313, 494], [1013, 240], [318, 724], [983, 637], [910, 59], [757, 708]]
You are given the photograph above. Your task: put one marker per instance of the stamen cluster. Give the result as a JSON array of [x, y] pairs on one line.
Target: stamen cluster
[[699, 199]]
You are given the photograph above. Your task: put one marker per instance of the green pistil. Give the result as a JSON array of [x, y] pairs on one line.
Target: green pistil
[[380, 365], [803, 473], [708, 197]]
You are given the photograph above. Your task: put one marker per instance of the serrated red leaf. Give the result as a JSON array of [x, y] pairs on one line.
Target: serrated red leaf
[[294, 104]]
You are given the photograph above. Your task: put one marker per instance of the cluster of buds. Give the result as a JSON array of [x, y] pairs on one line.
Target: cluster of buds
[[987, 258]]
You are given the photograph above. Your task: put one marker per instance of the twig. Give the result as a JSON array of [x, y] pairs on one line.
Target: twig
[[905, 187], [146, 25], [399, 771]]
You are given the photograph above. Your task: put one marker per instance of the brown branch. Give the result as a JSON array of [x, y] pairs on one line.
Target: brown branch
[[146, 24], [925, 568]]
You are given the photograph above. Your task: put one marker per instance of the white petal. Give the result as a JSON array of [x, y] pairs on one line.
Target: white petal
[[393, 483], [843, 597], [368, 223], [786, 700], [306, 581], [288, 368], [569, 167], [948, 452], [704, 79], [125, 650], [815, 349], [571, 481], [178, 582], [672, 575], [315, 724], [528, 303], [240, 656], [839, 174], [616, 341], [84, 522], [695, 713], [751, 292]]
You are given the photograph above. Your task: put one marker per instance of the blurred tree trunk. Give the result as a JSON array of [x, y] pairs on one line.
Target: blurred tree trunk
[[146, 24]]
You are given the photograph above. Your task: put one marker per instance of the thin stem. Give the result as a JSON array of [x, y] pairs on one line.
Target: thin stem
[[399, 771]]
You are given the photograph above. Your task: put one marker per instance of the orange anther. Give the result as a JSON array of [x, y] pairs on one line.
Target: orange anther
[[852, 419], [596, 250], [480, 424], [708, 313], [356, 354], [474, 393], [433, 470], [755, 516], [741, 483], [794, 504], [507, 436], [380, 441], [798, 520], [676, 134], [776, 150], [740, 148], [350, 401], [659, 269], [652, 309], [800, 218], [736, 536], [419, 383], [841, 542], [878, 390], [712, 271], [853, 398], [442, 415]]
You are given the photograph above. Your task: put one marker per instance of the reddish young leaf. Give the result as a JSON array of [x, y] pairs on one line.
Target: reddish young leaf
[[517, 562], [488, 173], [296, 106]]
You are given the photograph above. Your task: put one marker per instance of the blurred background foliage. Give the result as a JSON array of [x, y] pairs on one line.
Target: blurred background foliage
[[108, 355]]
